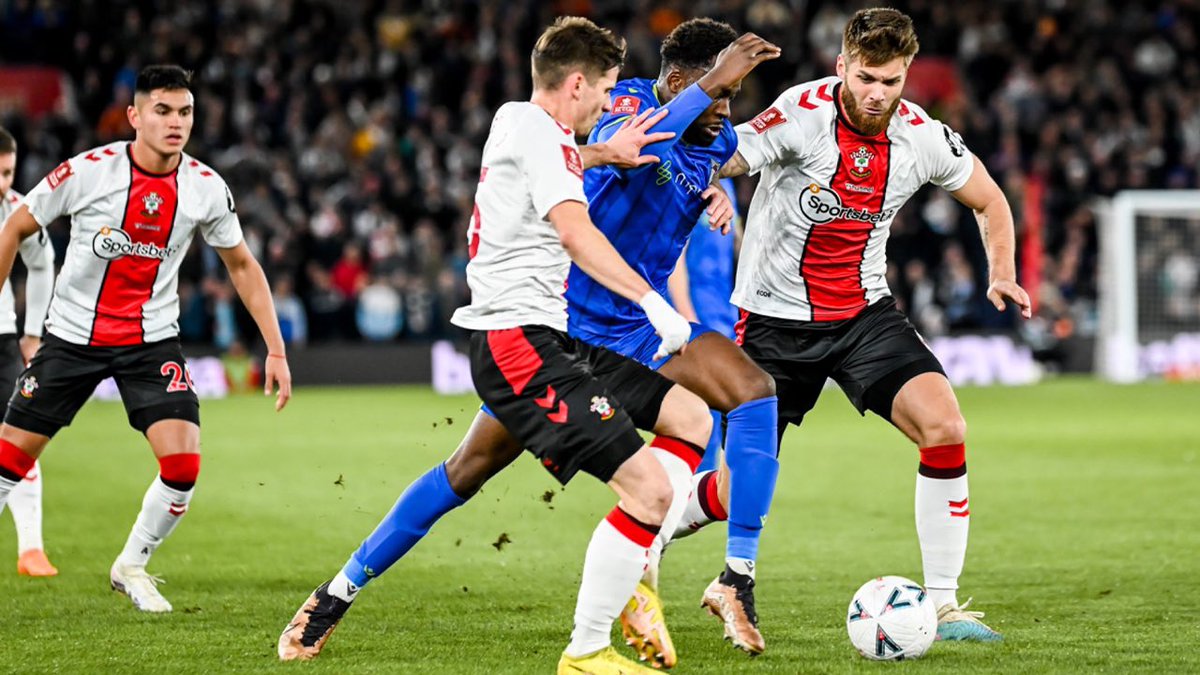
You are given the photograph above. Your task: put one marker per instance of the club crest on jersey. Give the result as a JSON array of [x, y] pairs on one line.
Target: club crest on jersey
[[601, 407], [150, 205], [28, 386], [862, 162]]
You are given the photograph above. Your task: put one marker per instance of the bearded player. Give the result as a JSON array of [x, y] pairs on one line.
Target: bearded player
[[838, 157], [134, 208], [25, 502]]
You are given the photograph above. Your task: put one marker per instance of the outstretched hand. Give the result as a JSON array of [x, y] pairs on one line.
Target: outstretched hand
[[1004, 289], [276, 372], [625, 145], [736, 61]]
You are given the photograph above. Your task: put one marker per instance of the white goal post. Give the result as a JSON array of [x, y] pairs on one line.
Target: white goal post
[[1149, 286]]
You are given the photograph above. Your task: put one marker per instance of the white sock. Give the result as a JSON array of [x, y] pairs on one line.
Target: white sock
[[25, 502], [942, 534], [611, 570], [6, 488], [694, 517], [742, 566], [342, 587], [162, 508], [680, 475]]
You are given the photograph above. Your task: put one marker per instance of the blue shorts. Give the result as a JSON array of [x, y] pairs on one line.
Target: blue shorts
[[639, 343]]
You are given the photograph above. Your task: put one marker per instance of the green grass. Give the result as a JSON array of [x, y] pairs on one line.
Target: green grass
[[1085, 504]]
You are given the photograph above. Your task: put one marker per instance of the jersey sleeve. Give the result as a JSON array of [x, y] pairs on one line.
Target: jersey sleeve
[[57, 195], [552, 166], [949, 161], [222, 229], [769, 138]]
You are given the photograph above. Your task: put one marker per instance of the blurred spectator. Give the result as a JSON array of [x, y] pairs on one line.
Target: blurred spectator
[[292, 320], [379, 313]]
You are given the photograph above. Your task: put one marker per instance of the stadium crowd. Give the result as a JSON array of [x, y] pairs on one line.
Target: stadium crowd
[[351, 133]]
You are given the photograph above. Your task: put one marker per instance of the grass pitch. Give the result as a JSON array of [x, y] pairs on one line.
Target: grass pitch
[[1085, 502]]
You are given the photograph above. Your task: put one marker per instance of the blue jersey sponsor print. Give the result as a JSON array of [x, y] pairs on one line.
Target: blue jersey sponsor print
[[647, 213]]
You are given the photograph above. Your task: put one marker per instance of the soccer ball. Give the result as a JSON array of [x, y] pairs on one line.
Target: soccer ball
[[891, 619]]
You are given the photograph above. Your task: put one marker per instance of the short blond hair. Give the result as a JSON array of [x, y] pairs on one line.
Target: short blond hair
[[877, 35], [574, 43]]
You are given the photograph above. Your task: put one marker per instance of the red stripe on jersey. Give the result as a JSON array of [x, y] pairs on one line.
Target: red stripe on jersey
[[138, 248], [833, 255], [739, 328], [517, 360]]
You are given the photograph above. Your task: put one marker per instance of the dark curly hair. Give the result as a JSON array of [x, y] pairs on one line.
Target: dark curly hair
[[695, 44]]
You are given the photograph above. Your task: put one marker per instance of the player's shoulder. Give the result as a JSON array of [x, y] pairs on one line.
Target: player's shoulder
[[633, 96], [100, 158], [530, 117], [192, 167], [13, 198], [925, 130], [805, 105]]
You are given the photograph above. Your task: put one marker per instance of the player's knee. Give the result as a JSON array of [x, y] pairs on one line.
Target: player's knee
[[685, 416], [951, 430], [656, 500], [754, 385]]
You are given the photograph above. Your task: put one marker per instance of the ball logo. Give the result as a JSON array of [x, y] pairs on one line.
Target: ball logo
[[110, 244], [862, 162], [821, 205]]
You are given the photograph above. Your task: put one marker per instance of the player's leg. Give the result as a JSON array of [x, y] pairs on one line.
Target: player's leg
[[889, 370], [485, 450], [160, 403], [729, 381], [25, 503]]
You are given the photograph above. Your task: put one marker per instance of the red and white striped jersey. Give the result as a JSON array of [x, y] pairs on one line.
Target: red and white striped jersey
[[129, 232], [518, 269], [38, 255], [818, 224]]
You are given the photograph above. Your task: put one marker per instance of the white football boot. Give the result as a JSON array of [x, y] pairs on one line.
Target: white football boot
[[139, 586]]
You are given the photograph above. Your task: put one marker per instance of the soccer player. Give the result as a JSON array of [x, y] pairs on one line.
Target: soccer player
[[649, 213], [700, 288], [25, 502], [134, 207], [839, 156], [574, 406]]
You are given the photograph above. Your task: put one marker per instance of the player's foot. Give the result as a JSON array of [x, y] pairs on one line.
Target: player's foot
[[604, 662], [139, 586], [645, 628], [956, 623], [34, 563], [730, 598], [305, 636]]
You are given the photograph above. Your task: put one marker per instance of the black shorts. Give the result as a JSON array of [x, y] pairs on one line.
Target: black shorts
[[11, 365], [153, 380], [573, 405], [870, 356]]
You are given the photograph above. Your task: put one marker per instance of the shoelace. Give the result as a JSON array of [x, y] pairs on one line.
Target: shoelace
[[154, 581], [745, 595], [962, 609]]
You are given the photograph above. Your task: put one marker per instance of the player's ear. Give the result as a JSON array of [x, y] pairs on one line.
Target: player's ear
[[841, 67], [675, 80], [575, 82], [135, 120]]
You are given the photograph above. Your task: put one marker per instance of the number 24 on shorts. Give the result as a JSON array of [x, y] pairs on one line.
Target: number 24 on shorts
[[181, 377]]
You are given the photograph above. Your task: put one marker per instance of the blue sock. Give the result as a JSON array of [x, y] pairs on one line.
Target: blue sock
[[712, 454], [750, 451], [423, 502]]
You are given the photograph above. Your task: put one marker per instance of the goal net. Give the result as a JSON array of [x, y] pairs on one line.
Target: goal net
[[1150, 286]]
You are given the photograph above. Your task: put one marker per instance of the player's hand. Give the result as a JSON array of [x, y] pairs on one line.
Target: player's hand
[[29, 345], [674, 330], [720, 208], [736, 61], [625, 145], [276, 372], [1005, 289]]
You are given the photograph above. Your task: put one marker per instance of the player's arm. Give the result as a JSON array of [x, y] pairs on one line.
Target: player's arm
[[251, 283], [983, 196], [680, 286], [592, 252], [16, 229], [720, 206], [38, 255], [736, 166], [623, 149]]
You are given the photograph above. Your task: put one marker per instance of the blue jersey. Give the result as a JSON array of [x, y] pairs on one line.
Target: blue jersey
[[647, 213], [709, 260]]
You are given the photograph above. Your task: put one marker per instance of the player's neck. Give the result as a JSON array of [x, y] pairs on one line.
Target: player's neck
[[558, 107], [153, 161]]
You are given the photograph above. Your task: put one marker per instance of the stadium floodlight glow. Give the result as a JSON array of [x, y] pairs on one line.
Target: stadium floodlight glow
[[1149, 309]]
